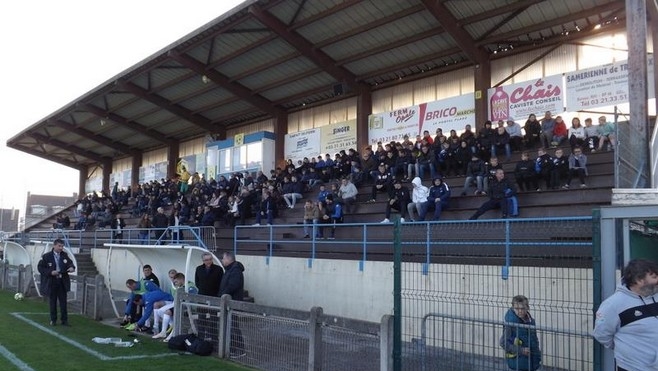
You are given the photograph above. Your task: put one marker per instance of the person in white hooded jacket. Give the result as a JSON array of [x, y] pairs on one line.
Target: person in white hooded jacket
[[419, 201], [627, 321]]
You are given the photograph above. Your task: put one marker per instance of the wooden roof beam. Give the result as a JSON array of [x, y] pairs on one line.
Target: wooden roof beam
[[68, 147], [46, 156], [320, 58], [502, 37], [120, 120], [176, 109], [452, 27], [120, 147], [235, 88]]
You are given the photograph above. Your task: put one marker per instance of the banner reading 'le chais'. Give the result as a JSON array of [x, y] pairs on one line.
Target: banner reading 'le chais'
[[522, 99], [447, 114]]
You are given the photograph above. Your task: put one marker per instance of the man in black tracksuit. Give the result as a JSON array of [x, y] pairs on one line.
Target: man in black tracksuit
[[499, 191], [233, 284]]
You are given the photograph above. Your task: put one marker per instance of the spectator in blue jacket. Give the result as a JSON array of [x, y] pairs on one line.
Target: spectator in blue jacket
[[439, 198], [266, 210], [520, 339], [502, 195]]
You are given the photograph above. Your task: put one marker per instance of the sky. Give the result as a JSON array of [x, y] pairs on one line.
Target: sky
[[56, 51]]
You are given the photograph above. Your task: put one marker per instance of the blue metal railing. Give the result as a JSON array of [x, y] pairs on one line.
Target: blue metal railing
[[182, 235], [427, 234]]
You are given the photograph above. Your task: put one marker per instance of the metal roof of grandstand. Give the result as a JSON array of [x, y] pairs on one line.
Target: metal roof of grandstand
[[269, 57]]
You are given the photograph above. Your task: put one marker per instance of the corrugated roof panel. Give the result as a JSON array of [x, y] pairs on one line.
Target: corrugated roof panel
[[349, 19], [226, 44], [395, 56], [155, 118], [117, 99], [182, 89], [299, 86], [280, 72], [135, 109], [81, 118], [165, 73], [217, 114], [463, 9], [255, 57], [192, 89], [206, 99], [388, 34], [318, 97], [286, 10]]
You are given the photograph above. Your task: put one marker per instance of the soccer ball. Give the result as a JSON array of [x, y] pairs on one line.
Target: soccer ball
[[18, 296]]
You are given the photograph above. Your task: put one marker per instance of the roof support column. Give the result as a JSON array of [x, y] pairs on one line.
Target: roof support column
[[82, 182], [653, 16], [173, 151], [363, 110], [280, 131], [134, 173], [636, 26], [107, 171], [482, 84]]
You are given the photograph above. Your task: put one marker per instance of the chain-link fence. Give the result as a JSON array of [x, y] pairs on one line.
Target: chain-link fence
[[455, 292], [277, 339], [15, 278], [86, 296]]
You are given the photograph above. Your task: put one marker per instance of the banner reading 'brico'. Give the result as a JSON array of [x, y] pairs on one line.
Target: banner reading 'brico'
[[447, 114]]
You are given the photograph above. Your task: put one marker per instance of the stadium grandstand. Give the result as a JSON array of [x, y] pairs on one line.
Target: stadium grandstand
[[220, 141]]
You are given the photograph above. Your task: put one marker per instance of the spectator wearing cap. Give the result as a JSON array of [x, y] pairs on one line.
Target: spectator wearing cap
[[439, 197], [398, 201], [515, 135], [383, 182]]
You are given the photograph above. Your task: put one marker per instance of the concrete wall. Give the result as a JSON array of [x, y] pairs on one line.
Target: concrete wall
[[337, 286]]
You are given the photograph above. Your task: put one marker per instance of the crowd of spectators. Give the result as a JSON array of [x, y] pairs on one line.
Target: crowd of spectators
[[384, 167]]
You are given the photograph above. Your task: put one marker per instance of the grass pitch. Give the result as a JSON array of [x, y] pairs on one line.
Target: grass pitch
[[28, 343]]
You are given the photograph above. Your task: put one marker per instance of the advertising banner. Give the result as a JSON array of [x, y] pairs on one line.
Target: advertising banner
[[447, 114], [520, 100], [337, 137], [602, 86], [302, 144]]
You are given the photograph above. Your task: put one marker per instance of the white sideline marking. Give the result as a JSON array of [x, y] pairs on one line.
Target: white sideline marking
[[82, 347], [11, 357]]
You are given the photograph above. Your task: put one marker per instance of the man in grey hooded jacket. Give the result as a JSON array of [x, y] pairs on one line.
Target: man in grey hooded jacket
[[627, 321]]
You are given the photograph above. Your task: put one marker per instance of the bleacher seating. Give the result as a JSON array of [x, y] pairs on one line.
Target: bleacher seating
[[547, 203]]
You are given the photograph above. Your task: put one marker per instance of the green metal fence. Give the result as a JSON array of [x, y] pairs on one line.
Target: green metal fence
[[452, 295]]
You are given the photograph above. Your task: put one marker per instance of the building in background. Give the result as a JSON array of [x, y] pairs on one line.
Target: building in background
[[8, 220], [40, 207]]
